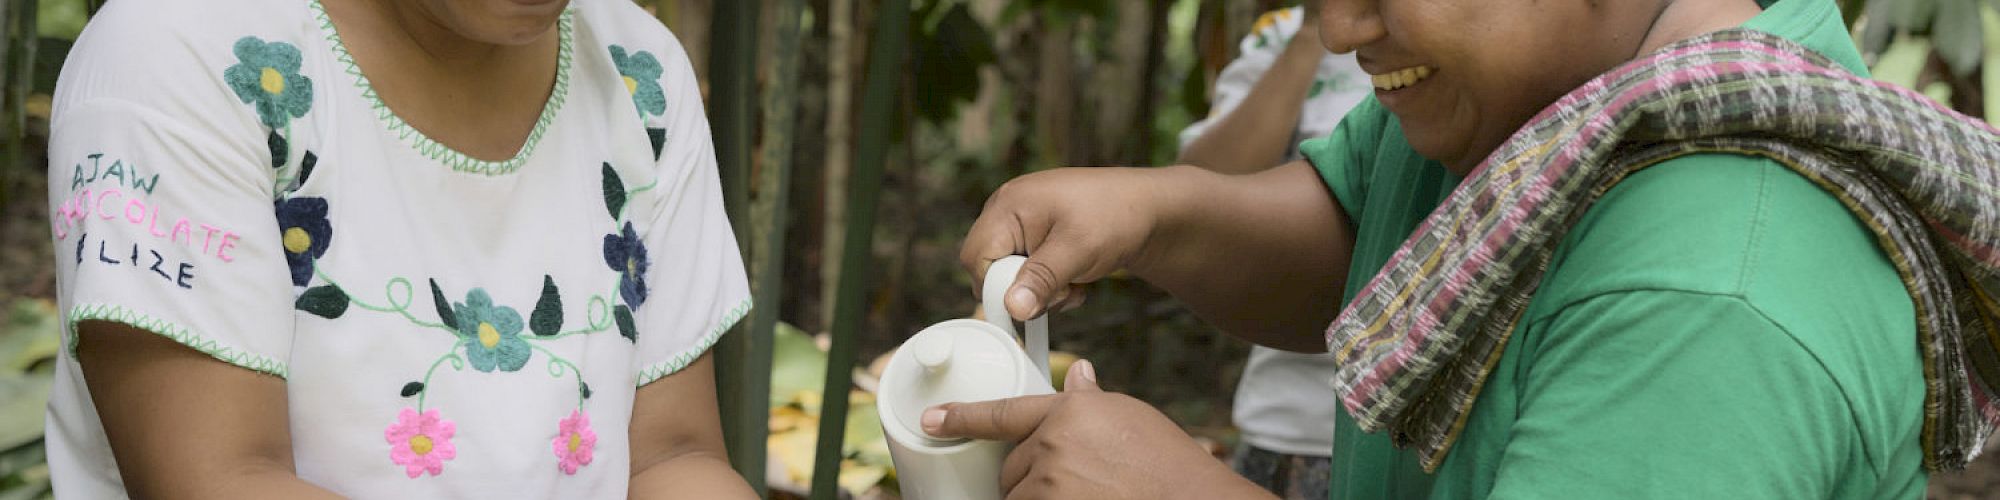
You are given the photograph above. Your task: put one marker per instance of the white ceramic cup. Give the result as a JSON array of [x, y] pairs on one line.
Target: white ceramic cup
[[960, 360]]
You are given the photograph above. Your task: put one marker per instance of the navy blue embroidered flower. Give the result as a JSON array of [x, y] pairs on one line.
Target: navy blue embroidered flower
[[306, 233], [492, 333], [642, 79], [626, 253], [266, 75]]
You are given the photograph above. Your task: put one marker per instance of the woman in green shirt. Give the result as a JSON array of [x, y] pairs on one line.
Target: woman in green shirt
[[1737, 319]]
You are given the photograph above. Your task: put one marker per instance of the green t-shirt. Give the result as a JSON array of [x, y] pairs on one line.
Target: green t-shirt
[[1714, 327]]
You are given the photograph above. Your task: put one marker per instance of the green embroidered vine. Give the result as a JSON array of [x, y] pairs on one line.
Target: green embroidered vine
[[565, 56]]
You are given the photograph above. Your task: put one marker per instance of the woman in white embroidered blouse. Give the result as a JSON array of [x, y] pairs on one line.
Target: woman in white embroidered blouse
[[363, 248]]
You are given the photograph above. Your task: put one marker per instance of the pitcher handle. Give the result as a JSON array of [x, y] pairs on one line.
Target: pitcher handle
[[1000, 276]]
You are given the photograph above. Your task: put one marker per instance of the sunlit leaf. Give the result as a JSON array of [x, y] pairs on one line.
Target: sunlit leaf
[[1903, 61], [29, 338], [797, 365], [23, 401]]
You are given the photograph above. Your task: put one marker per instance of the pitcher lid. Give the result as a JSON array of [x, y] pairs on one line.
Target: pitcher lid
[[961, 360]]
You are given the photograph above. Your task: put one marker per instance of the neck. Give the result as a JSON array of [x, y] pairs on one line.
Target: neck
[[427, 38], [1683, 19]]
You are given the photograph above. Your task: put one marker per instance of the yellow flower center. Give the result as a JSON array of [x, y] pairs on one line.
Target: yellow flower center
[[575, 440], [488, 336], [273, 81], [297, 240], [632, 267], [631, 86], [420, 444]]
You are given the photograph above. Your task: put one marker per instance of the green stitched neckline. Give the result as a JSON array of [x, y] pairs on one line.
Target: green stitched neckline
[[439, 152], [173, 331], [664, 368]]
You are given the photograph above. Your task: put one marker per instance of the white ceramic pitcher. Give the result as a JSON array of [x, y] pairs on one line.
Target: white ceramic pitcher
[[960, 360]]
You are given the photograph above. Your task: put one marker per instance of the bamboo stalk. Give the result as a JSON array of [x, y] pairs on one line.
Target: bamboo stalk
[[839, 123], [864, 187], [767, 218], [732, 80]]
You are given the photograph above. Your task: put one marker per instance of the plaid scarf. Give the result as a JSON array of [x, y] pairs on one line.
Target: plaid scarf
[[1417, 343]]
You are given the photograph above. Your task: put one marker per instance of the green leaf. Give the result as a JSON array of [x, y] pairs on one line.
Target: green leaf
[[1903, 61], [24, 400], [1957, 34], [548, 316], [30, 338], [614, 191], [412, 388], [1990, 18], [445, 315], [797, 364], [583, 387], [326, 301], [625, 327]]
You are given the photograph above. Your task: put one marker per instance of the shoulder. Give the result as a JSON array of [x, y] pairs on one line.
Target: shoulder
[[175, 57], [630, 28], [1686, 242], [1719, 224]]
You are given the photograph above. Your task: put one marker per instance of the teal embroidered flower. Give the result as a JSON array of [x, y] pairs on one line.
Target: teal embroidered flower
[[642, 79], [266, 75], [492, 334]]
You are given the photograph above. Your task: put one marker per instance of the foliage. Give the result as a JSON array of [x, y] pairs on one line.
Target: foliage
[[798, 368], [950, 48], [1954, 24], [28, 348]]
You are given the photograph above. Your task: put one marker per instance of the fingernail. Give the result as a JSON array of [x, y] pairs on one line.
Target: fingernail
[[933, 419], [1022, 294], [1088, 369]]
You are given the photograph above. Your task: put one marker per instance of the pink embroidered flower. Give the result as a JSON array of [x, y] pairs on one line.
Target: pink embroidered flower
[[574, 442], [420, 442]]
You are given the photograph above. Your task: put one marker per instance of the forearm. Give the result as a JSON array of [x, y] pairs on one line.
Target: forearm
[[1257, 133], [689, 475], [1263, 256], [272, 483]]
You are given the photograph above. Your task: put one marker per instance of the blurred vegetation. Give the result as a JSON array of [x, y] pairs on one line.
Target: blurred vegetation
[[987, 90]]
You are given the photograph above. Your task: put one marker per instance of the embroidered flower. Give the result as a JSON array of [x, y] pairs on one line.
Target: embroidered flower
[[492, 333], [574, 442], [626, 253], [642, 80], [420, 442], [306, 233], [266, 75]]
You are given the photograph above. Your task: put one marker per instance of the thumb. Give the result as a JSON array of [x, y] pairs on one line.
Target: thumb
[[1045, 279], [1082, 377], [1011, 419]]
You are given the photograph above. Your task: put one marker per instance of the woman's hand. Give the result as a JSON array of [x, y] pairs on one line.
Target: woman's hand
[[1076, 225], [1261, 256], [1087, 443]]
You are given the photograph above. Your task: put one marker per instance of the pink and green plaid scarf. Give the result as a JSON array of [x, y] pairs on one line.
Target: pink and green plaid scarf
[[1417, 343]]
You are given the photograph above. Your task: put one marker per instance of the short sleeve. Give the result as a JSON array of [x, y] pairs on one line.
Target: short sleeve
[[697, 288], [1343, 157], [1668, 394], [167, 224]]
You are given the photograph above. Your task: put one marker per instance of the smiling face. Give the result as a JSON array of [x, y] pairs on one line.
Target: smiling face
[[1463, 75], [500, 22]]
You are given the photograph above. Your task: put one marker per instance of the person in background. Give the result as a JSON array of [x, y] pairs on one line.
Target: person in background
[[1285, 87], [387, 249]]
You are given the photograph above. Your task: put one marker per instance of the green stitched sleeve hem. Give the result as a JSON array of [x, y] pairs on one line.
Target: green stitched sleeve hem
[[170, 330], [664, 368]]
